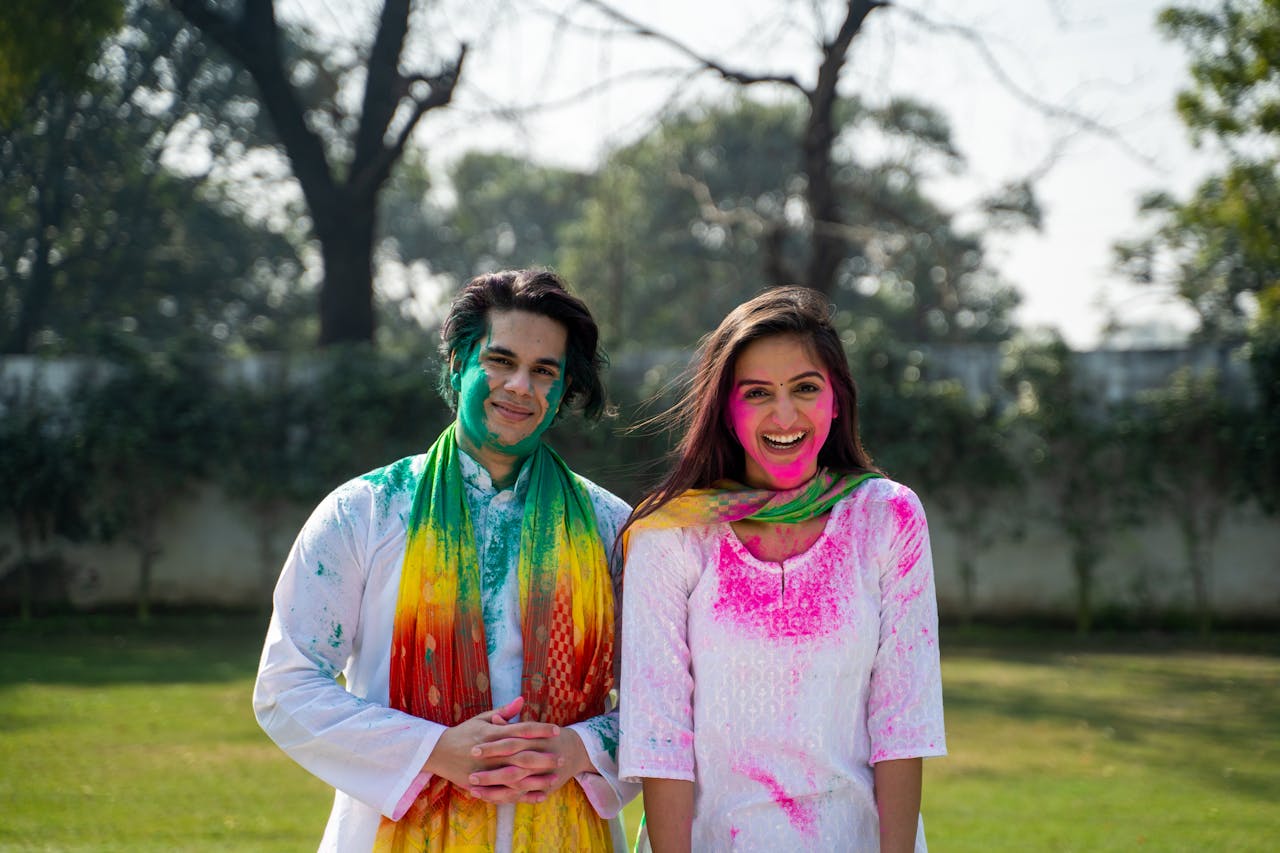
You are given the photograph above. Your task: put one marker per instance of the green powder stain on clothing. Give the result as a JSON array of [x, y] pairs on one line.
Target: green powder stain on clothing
[[606, 728], [335, 639], [391, 480]]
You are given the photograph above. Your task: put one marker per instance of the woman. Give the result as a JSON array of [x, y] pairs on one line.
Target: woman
[[780, 679]]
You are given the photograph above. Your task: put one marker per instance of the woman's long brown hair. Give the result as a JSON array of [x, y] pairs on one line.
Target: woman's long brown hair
[[708, 450]]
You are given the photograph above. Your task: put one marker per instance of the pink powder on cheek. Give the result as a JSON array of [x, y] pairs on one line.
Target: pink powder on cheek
[[802, 817], [744, 420]]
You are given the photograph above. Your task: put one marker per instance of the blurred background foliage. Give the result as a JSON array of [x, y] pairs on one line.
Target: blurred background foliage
[[144, 228]]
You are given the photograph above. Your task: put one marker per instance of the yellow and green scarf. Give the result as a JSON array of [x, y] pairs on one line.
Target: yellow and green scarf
[[729, 501], [439, 669]]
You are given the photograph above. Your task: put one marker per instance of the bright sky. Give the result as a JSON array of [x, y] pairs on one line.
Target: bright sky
[[1099, 59]]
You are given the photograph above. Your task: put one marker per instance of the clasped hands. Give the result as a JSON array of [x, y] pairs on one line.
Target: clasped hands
[[504, 762]]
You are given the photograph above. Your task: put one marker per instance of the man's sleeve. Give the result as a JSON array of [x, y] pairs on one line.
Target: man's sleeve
[[370, 751], [607, 793]]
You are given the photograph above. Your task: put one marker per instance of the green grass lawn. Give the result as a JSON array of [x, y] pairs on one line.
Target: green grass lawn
[[113, 738]]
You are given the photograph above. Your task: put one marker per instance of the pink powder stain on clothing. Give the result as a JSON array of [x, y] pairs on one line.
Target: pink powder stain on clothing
[[811, 606], [908, 522], [802, 817]]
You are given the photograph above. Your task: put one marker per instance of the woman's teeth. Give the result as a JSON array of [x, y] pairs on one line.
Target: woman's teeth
[[783, 441]]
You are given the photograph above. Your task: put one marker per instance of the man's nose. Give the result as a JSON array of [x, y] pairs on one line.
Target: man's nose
[[519, 381]]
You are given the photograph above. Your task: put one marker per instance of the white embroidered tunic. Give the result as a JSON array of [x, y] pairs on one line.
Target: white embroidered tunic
[[776, 687], [334, 611]]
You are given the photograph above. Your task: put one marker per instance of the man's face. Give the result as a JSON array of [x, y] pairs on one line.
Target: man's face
[[510, 384]]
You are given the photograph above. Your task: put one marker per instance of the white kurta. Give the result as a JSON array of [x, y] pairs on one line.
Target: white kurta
[[334, 611], [775, 687]]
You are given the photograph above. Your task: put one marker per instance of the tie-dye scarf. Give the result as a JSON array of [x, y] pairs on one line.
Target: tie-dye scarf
[[729, 501], [439, 669]]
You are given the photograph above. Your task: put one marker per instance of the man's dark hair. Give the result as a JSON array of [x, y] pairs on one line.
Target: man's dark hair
[[537, 292]]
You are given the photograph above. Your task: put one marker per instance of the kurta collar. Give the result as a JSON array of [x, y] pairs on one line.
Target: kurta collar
[[477, 477]]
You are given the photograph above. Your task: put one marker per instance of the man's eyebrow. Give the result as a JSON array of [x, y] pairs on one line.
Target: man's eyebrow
[[497, 349], [806, 375]]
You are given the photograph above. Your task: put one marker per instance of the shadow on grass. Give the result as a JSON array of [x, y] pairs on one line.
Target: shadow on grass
[[99, 650], [1207, 712]]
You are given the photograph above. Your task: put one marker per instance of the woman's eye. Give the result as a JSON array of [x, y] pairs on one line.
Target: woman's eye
[[807, 388], [754, 393]]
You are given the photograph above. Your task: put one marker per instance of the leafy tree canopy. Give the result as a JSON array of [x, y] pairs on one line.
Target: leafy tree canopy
[[104, 247], [58, 39], [1220, 249]]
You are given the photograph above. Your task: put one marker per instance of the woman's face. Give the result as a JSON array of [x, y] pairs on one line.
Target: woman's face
[[780, 408]]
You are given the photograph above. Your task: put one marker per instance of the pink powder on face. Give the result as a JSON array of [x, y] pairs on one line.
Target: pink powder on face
[[802, 817], [813, 604]]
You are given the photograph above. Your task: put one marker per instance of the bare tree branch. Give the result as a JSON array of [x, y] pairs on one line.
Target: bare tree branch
[[733, 75], [1045, 108], [366, 176]]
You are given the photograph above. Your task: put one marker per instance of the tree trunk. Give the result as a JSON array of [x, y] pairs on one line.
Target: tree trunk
[[346, 296], [268, 521], [1199, 566], [1083, 562], [36, 295], [827, 244], [969, 584]]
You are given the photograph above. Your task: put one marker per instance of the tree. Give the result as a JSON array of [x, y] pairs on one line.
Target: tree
[[40, 41], [697, 216], [1076, 458], [103, 247], [505, 212], [833, 230], [340, 181], [40, 467], [1222, 245], [150, 431], [1263, 472], [1188, 443], [956, 452]]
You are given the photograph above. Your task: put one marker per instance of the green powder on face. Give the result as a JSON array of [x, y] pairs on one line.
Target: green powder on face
[[471, 412]]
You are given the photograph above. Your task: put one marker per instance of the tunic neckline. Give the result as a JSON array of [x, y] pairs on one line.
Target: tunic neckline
[[792, 562]]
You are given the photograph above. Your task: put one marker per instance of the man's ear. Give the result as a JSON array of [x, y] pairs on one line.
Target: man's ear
[[455, 372]]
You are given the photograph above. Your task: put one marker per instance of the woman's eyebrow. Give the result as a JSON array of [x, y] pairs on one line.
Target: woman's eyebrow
[[806, 375]]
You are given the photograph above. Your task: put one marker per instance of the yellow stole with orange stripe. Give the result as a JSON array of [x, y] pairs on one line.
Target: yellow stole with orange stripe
[[439, 669]]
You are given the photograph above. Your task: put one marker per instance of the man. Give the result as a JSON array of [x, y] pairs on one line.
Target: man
[[467, 597]]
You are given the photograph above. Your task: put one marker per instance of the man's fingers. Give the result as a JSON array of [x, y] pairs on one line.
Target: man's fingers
[[495, 794], [506, 777], [511, 710], [535, 786], [510, 750]]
